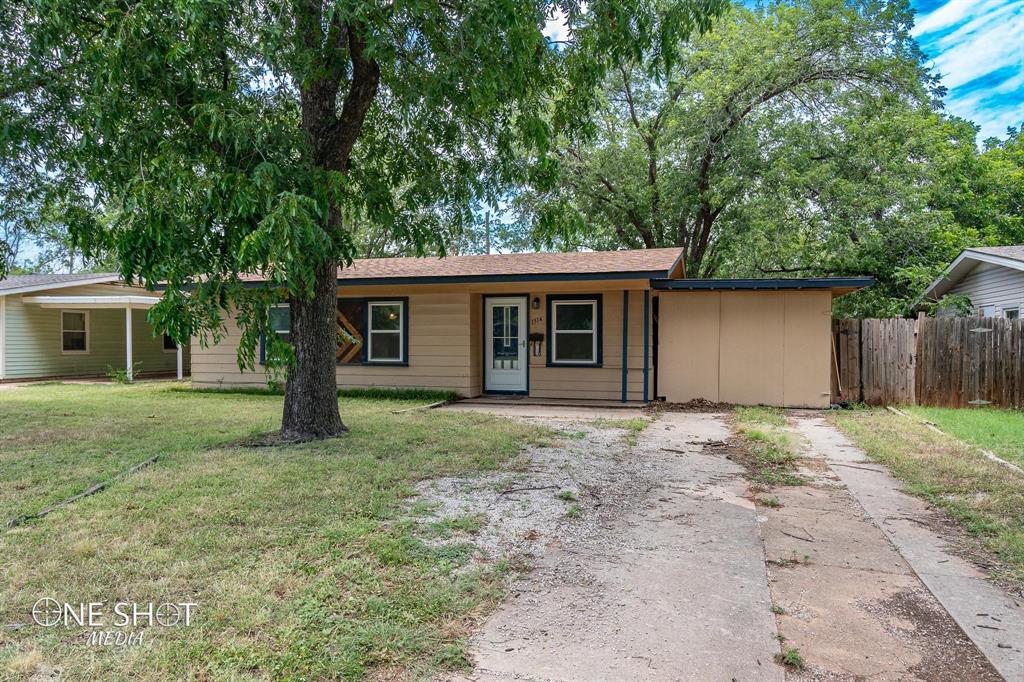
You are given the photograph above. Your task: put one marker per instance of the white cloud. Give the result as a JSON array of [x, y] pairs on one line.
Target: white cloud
[[951, 14], [970, 40]]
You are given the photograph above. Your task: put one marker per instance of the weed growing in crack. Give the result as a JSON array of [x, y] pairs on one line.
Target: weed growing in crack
[[791, 658]]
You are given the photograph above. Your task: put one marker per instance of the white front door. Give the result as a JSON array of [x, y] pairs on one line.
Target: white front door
[[505, 344]]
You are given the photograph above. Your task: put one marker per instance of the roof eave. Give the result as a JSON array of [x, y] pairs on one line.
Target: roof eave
[[960, 266], [105, 279], [838, 285]]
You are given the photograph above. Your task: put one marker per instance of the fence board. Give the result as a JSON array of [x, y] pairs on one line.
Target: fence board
[[930, 361]]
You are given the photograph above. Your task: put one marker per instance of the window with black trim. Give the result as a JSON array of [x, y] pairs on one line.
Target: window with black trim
[[169, 345], [574, 330], [372, 331], [281, 321]]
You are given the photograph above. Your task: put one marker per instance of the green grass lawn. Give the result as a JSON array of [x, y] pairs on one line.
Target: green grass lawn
[[987, 498], [296, 556], [1000, 431]]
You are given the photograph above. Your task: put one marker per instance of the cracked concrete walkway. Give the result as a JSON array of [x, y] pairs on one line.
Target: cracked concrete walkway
[[681, 595], [989, 617]]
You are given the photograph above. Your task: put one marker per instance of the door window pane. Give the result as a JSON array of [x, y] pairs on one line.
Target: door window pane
[[505, 344]]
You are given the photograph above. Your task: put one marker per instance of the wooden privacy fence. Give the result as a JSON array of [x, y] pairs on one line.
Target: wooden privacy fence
[[945, 361]]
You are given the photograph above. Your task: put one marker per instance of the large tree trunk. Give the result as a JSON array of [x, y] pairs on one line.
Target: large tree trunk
[[311, 394]]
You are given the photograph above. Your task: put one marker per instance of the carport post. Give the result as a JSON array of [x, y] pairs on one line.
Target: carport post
[[179, 362], [647, 341], [625, 344], [128, 339]]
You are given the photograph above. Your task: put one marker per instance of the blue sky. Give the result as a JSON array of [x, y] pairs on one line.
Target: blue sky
[[978, 48]]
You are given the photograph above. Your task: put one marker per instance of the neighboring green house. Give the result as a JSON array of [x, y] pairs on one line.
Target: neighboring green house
[[84, 325]]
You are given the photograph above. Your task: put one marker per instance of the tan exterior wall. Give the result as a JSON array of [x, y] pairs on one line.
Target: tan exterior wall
[[596, 383], [748, 348], [446, 343]]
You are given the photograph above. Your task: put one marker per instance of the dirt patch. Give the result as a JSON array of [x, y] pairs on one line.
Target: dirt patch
[[550, 496], [915, 615], [695, 405]]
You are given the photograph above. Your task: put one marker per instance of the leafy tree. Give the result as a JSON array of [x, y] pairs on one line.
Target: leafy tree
[[697, 158], [249, 136]]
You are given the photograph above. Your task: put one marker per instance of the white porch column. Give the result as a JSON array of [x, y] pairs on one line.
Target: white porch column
[[3, 335], [180, 373], [128, 339]]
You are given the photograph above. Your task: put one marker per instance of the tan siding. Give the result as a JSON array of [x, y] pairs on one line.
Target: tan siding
[[770, 348], [808, 349], [439, 351], [688, 351], [605, 382], [446, 346]]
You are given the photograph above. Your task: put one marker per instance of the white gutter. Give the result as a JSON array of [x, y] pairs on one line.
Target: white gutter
[[93, 301]]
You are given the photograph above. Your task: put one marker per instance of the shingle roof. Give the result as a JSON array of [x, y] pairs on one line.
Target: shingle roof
[[53, 281], [577, 262], [1012, 252], [653, 262]]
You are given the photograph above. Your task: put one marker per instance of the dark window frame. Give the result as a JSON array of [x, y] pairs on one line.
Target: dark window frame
[[598, 301], [365, 350]]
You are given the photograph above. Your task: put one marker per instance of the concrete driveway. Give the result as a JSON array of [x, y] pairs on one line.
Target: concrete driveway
[[670, 584], [650, 560]]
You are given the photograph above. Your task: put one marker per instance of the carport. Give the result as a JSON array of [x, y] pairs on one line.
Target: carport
[[126, 302], [747, 341]]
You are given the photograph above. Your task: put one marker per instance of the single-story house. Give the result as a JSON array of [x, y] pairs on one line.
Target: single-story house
[[623, 325], [992, 277], [80, 325]]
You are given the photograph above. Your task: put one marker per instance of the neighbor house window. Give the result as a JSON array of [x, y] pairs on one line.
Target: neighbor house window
[[987, 311], [169, 345], [574, 329], [1011, 313], [74, 331], [372, 331], [385, 331]]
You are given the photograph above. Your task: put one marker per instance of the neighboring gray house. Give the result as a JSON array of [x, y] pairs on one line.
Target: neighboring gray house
[[81, 325], [992, 277]]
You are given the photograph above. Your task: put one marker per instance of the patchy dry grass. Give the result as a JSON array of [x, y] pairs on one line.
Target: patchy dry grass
[[295, 555], [983, 496], [1001, 431], [633, 427], [771, 450]]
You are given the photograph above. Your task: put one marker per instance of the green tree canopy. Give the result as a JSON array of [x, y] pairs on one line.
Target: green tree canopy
[[233, 136]]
